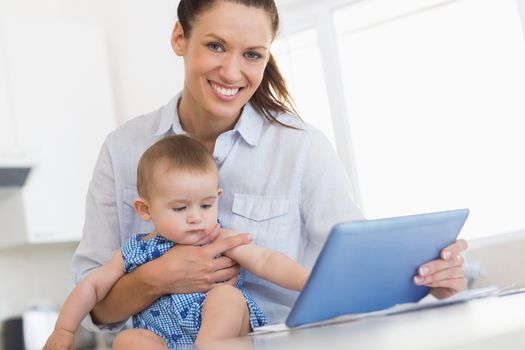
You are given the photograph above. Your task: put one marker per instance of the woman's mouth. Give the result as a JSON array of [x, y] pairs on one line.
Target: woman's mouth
[[223, 92]]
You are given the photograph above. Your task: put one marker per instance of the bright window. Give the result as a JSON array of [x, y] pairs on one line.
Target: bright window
[[299, 60], [436, 100]]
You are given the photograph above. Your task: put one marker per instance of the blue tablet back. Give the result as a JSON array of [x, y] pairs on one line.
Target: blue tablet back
[[368, 265]]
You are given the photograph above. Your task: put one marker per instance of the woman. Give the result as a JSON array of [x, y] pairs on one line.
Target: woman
[[281, 179]]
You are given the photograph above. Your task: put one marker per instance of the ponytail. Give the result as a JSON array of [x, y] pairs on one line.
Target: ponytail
[[272, 95]]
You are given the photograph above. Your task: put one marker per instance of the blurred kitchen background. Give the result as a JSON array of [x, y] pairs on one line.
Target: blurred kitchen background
[[423, 99]]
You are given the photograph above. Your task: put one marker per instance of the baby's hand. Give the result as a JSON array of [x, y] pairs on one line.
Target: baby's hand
[[60, 339]]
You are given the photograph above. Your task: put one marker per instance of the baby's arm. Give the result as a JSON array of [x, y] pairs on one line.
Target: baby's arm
[[81, 301], [267, 264]]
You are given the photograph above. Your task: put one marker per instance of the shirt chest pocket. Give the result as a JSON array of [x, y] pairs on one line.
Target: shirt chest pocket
[[265, 217]]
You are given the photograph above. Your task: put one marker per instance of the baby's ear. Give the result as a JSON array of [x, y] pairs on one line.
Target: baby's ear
[[219, 193], [142, 208]]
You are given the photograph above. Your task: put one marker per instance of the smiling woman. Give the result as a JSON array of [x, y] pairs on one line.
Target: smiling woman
[[224, 58], [226, 52]]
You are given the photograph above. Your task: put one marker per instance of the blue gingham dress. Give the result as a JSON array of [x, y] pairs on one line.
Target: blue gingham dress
[[176, 317]]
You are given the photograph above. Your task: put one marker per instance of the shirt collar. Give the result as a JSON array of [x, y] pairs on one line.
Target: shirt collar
[[249, 125], [169, 118]]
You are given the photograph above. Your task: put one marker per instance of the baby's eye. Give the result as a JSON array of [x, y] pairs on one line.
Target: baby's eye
[[215, 47], [206, 206], [179, 208]]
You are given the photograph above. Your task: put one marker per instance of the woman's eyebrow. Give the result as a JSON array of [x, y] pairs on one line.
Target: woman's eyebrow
[[216, 37], [223, 41]]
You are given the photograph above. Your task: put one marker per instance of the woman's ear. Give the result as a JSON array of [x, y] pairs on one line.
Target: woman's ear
[[178, 42], [142, 208]]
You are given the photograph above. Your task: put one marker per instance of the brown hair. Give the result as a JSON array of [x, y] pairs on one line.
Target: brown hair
[[178, 152], [272, 95]]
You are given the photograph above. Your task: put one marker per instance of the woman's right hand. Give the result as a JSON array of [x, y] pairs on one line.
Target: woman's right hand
[[189, 269]]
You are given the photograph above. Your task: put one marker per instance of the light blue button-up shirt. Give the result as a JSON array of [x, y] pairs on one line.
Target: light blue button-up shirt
[[285, 186]]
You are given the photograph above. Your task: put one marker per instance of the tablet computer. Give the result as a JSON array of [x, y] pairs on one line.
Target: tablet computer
[[369, 265]]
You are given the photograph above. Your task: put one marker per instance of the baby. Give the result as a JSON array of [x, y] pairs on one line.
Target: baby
[[178, 185]]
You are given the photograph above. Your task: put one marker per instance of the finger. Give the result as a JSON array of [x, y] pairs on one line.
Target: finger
[[223, 262], [214, 233], [454, 249], [440, 276], [210, 236], [219, 246], [456, 284], [232, 281], [225, 274], [442, 293], [438, 265]]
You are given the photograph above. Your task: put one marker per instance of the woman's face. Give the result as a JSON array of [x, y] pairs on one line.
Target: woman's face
[[224, 58]]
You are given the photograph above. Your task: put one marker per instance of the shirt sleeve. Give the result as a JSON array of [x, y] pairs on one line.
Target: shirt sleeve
[[327, 194], [101, 236]]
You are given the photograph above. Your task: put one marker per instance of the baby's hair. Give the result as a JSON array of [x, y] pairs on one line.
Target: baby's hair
[[179, 152]]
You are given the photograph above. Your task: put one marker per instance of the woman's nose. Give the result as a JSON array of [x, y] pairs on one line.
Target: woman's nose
[[231, 69]]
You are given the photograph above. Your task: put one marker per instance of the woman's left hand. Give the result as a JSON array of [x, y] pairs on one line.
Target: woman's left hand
[[445, 276]]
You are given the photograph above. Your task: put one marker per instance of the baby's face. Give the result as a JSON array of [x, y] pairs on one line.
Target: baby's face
[[183, 205]]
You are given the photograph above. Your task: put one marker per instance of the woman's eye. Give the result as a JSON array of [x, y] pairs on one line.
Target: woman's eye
[[252, 56], [179, 209], [215, 47]]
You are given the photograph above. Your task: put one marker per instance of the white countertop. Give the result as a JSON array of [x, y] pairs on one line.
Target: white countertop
[[489, 323]]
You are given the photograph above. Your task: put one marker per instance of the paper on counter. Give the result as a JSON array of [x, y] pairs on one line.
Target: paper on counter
[[427, 302]]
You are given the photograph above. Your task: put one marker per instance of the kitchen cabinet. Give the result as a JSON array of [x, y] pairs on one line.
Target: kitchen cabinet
[[61, 107]]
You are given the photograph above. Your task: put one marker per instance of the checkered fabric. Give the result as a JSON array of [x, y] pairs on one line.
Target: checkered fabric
[[176, 317]]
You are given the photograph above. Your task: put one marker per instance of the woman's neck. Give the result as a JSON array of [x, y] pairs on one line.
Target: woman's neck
[[202, 125]]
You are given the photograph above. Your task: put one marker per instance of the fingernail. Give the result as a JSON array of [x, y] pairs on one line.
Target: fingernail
[[418, 279], [423, 270], [446, 255]]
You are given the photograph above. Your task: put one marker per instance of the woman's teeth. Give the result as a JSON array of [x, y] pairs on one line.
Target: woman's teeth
[[224, 91]]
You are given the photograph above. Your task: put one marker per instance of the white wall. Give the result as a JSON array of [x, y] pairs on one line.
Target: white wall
[[36, 274], [146, 72]]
